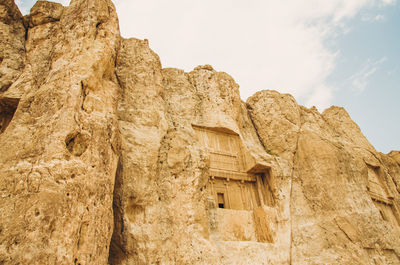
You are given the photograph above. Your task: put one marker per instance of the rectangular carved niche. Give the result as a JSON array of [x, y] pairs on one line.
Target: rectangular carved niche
[[380, 196], [234, 194], [242, 191], [8, 107]]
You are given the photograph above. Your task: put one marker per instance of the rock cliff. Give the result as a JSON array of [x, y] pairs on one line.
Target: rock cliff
[[108, 158]]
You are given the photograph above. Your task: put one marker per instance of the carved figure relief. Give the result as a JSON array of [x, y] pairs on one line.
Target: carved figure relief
[[380, 196]]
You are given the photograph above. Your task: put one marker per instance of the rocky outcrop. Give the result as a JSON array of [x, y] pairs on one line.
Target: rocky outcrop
[[12, 44], [59, 153], [335, 218], [107, 158]]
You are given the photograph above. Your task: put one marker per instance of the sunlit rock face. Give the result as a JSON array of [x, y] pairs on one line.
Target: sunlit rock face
[[59, 144], [12, 44], [107, 158]]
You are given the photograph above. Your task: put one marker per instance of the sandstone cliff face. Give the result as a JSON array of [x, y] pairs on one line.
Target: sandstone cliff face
[[334, 219], [107, 158], [12, 40], [59, 153]]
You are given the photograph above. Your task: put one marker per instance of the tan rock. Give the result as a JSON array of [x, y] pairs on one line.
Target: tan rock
[[395, 155], [12, 42], [392, 162], [44, 12], [334, 207], [277, 120], [106, 158], [59, 152]]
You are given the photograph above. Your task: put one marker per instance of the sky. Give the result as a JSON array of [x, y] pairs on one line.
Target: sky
[[323, 52]]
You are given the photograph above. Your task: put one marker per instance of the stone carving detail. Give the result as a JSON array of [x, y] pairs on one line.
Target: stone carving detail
[[231, 185], [234, 194], [224, 147], [381, 196]]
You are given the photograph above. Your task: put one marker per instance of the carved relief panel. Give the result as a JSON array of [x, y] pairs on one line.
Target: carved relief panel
[[381, 196], [234, 194], [224, 147], [231, 186], [234, 185], [375, 187]]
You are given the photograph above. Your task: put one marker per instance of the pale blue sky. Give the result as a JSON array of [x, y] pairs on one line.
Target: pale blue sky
[[324, 52], [370, 53]]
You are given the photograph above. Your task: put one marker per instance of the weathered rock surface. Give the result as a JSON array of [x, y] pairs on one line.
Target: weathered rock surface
[[107, 158], [333, 218], [12, 43], [59, 153]]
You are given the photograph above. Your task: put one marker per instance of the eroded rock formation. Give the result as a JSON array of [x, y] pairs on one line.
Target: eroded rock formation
[[107, 158]]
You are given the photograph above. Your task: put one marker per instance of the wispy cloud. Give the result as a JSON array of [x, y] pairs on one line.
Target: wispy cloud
[[388, 2], [373, 18], [360, 80]]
